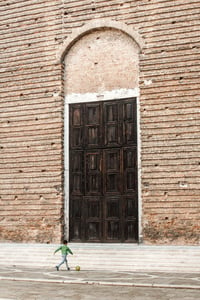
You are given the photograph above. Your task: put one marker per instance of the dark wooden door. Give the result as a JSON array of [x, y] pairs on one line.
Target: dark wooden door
[[103, 172]]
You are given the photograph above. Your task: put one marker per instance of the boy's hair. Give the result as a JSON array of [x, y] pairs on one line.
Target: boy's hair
[[65, 242]]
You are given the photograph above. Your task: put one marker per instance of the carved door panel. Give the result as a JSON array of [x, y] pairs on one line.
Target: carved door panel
[[103, 172], [93, 195], [113, 186]]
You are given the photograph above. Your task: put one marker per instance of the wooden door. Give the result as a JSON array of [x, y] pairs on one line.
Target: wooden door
[[103, 172]]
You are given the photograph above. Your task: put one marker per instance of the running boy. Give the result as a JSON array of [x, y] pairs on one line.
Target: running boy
[[64, 251]]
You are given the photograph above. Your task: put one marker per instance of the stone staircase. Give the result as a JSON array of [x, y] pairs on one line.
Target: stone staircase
[[112, 257]]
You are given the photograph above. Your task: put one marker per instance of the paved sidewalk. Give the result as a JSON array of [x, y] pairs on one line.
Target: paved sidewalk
[[121, 278]]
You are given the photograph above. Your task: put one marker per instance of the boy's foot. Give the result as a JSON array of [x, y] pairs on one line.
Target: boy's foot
[[57, 268], [68, 269]]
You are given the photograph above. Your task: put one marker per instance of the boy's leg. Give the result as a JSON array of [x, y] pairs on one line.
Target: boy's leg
[[62, 262], [67, 263]]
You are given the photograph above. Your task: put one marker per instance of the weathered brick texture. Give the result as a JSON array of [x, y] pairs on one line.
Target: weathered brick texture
[[31, 114], [93, 70]]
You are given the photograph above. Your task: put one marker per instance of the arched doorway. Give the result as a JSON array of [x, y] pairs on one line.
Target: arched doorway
[[101, 149]]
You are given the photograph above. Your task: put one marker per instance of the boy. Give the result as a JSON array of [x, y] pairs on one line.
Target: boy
[[64, 251]]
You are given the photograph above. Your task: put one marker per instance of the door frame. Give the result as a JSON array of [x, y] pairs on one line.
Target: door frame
[[95, 97]]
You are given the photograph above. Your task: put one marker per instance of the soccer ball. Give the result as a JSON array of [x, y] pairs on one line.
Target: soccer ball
[[77, 268]]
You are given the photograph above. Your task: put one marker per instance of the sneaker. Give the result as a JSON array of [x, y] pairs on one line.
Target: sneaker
[[57, 268], [68, 269]]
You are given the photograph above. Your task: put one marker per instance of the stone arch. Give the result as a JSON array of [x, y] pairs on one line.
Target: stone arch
[[97, 25], [101, 57], [82, 84]]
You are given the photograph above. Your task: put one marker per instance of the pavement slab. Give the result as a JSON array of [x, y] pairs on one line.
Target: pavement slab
[[97, 277]]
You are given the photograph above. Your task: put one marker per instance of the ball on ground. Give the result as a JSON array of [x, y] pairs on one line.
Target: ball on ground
[[77, 268]]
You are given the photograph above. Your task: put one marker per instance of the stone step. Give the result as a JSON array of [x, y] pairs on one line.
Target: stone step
[[120, 257]]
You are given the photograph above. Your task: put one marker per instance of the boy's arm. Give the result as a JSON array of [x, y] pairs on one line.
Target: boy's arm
[[57, 250], [70, 251]]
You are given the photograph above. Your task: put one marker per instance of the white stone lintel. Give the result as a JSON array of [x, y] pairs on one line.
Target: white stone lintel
[[104, 96]]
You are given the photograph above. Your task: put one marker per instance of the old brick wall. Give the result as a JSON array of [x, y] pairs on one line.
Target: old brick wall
[[31, 108], [31, 125], [170, 122]]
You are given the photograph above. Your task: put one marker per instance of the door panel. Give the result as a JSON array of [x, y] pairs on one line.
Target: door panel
[[76, 173], [92, 112], [93, 218], [111, 117], [129, 122], [76, 214], [130, 169], [112, 176], [93, 175], [103, 172], [113, 231], [113, 213], [76, 125]]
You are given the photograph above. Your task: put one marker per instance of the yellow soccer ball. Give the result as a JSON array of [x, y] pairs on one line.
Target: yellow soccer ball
[[77, 268]]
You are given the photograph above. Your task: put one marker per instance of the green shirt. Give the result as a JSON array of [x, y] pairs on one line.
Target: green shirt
[[64, 250]]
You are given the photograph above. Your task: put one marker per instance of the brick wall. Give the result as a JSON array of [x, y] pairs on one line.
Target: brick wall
[[31, 192], [31, 114]]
